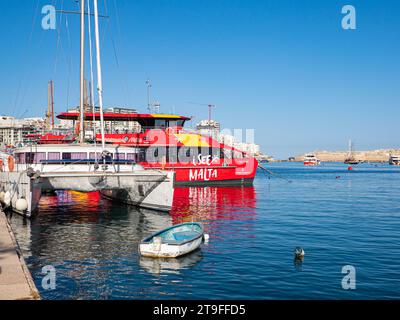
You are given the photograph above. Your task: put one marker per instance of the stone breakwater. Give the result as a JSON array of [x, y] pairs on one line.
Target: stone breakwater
[[340, 156]]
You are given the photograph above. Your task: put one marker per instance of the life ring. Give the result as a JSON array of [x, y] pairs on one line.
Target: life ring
[[11, 163]]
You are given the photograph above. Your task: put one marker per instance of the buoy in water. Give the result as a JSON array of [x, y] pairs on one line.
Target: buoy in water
[[21, 205], [299, 253], [350, 168], [206, 238]]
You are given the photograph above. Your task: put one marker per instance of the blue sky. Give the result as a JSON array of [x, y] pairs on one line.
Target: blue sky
[[285, 68]]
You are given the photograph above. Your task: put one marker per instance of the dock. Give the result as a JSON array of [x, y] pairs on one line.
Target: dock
[[16, 282]]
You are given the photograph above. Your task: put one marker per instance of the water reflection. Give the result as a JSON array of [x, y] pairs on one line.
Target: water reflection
[[212, 203], [170, 266], [93, 242]]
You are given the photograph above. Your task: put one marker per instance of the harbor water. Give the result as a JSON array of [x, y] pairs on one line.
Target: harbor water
[[338, 217]]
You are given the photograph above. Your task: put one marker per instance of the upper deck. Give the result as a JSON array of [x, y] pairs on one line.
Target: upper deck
[[156, 121]]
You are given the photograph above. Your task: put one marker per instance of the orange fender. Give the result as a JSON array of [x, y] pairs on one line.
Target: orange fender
[[11, 163]]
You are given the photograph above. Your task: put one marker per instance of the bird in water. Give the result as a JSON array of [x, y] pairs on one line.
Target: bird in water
[[299, 253]]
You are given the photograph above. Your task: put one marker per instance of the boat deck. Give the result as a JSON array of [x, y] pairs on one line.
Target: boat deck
[[15, 279]]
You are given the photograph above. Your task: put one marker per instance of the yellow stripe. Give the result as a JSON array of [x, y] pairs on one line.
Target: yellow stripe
[[192, 140], [166, 116]]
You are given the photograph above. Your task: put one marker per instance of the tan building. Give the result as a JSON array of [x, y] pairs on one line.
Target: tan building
[[14, 132]]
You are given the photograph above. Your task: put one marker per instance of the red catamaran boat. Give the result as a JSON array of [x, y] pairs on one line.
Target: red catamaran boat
[[163, 143]]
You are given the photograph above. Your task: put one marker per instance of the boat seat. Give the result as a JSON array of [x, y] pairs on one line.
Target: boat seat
[[185, 235]]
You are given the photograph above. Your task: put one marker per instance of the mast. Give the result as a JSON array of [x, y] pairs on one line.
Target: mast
[[99, 73], [48, 113], [350, 148], [82, 75], [148, 83], [52, 104]]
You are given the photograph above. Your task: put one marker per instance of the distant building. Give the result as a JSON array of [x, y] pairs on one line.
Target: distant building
[[14, 132], [209, 128]]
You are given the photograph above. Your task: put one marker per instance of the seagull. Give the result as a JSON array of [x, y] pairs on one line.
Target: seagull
[[299, 253]]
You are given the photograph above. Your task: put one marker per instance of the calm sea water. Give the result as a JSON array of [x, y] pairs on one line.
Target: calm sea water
[[339, 218]]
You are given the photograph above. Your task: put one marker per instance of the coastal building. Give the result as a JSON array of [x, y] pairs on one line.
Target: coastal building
[[250, 148], [14, 131], [209, 128], [212, 129]]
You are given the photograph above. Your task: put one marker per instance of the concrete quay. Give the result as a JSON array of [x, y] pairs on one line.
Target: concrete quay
[[16, 282]]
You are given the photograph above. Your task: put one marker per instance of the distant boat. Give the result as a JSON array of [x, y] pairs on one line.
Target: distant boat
[[394, 160], [311, 160], [173, 242], [350, 159]]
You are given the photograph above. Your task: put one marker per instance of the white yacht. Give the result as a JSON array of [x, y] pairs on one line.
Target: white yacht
[[394, 160], [32, 170], [83, 167], [311, 160]]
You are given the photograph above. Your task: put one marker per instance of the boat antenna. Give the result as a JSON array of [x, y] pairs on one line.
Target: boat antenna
[[210, 106], [82, 75], [149, 86], [99, 74]]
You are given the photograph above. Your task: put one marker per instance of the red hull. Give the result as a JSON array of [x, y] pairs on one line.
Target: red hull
[[310, 163], [235, 174]]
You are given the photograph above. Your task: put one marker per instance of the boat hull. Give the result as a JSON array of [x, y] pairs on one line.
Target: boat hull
[[173, 242], [241, 174], [169, 250], [18, 185], [311, 163], [151, 194]]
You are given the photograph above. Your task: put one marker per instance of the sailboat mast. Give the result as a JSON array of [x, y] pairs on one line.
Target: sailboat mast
[[82, 75], [99, 72], [52, 104]]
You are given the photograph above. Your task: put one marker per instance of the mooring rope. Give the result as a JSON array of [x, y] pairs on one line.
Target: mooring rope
[[274, 174]]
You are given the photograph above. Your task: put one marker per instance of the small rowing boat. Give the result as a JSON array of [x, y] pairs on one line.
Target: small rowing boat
[[173, 242]]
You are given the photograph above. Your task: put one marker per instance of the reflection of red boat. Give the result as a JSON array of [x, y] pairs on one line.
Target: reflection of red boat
[[162, 143], [211, 203]]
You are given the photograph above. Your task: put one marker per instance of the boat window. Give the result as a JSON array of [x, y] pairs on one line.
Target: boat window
[[160, 123], [74, 155], [95, 156], [131, 156], [120, 156], [227, 154], [172, 155], [172, 123], [237, 154], [155, 154], [20, 158], [187, 154], [39, 156], [53, 156], [66, 156]]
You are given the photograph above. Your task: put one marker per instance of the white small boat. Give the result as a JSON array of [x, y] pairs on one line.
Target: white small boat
[[174, 241], [311, 160], [394, 160]]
